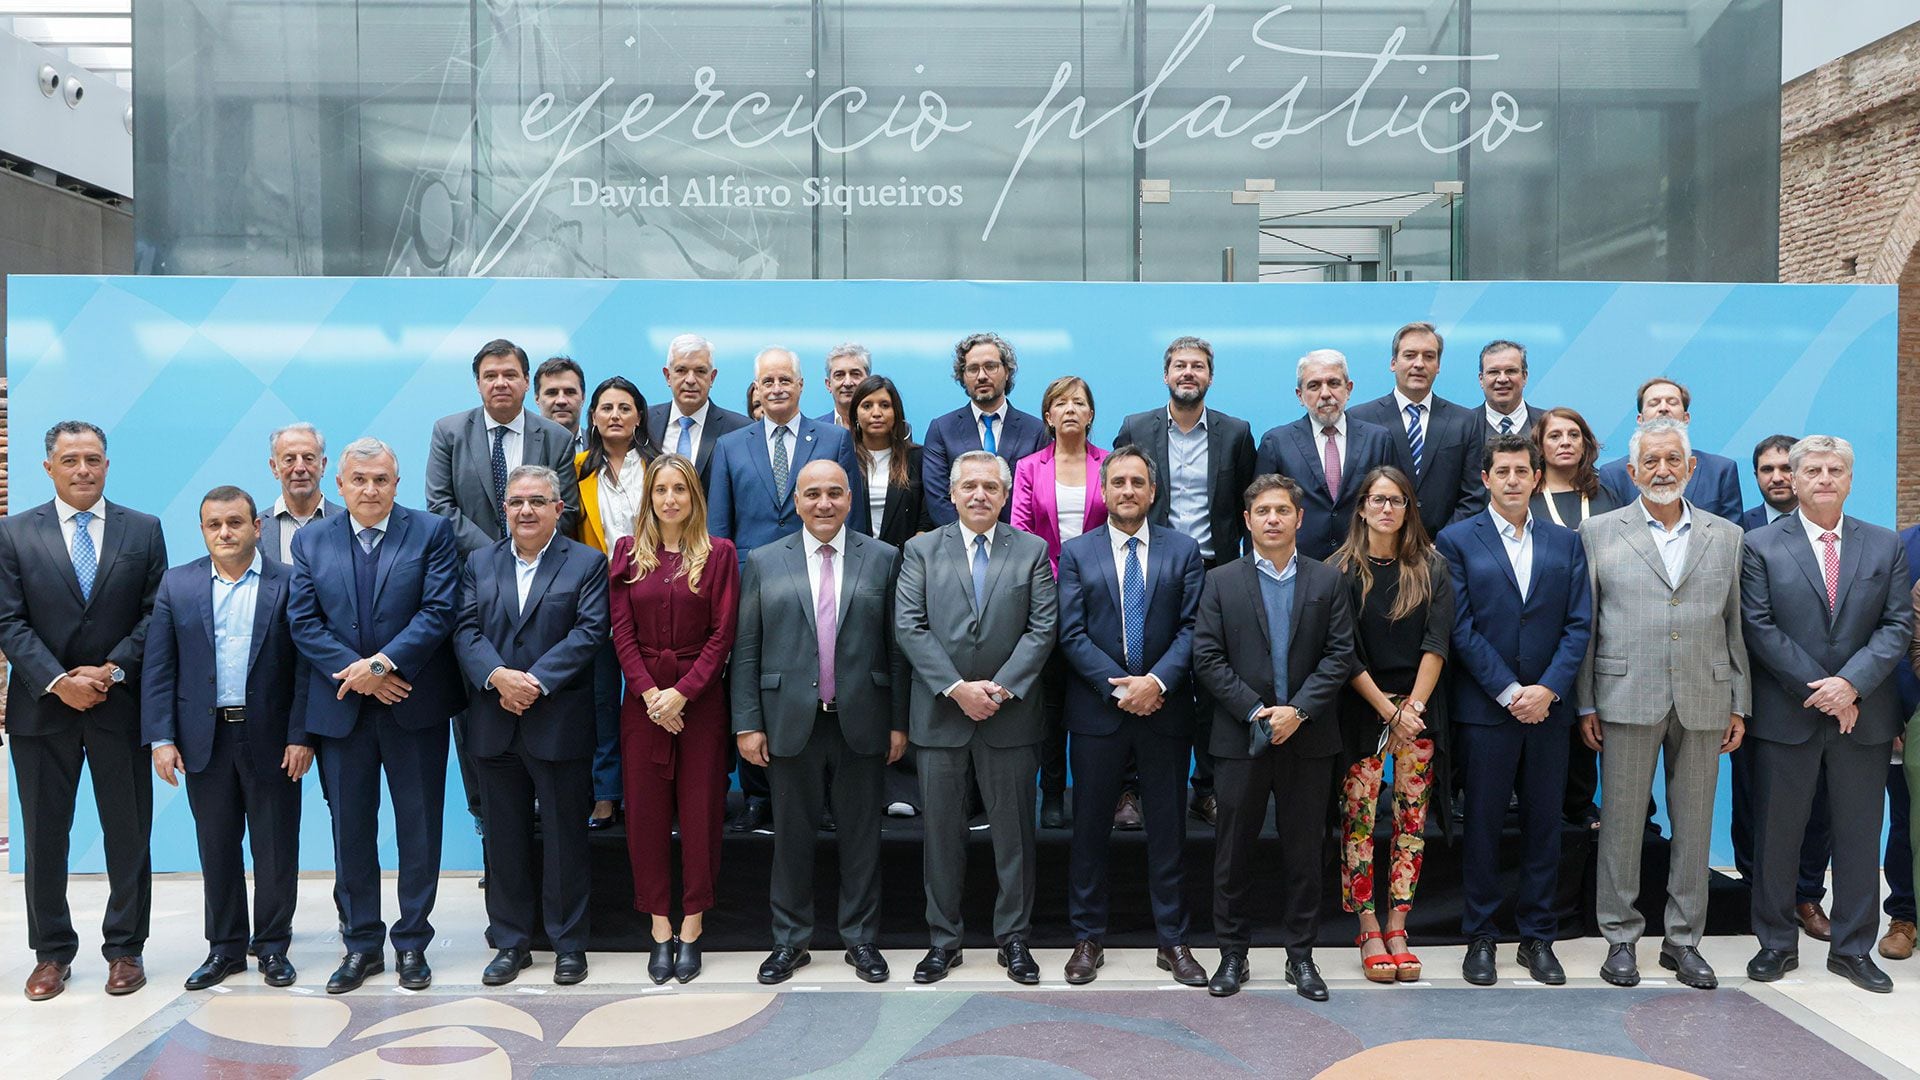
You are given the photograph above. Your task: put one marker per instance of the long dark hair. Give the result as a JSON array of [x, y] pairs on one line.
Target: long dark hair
[[1586, 480], [901, 438], [1412, 548], [596, 457]]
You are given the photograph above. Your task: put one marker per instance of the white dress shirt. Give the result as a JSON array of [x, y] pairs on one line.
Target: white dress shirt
[[620, 498], [291, 523], [514, 447], [792, 428], [525, 569], [1426, 411], [96, 529], [967, 537], [1518, 416], [812, 548], [1819, 548], [1070, 503], [670, 438], [1519, 545], [999, 425], [1671, 545], [1339, 438], [1118, 539], [879, 475]]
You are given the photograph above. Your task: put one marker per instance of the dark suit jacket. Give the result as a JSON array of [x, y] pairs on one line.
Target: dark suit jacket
[[776, 659], [1908, 682], [1498, 639], [719, 422], [46, 629], [1294, 450], [1092, 638], [416, 593], [742, 505], [1233, 655], [905, 515], [270, 525], [1756, 518], [1794, 641], [460, 474], [1230, 468], [1448, 483], [955, 433], [1713, 487], [1534, 415], [177, 689]]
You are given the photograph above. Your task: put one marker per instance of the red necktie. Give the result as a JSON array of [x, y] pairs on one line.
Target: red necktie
[[1831, 561]]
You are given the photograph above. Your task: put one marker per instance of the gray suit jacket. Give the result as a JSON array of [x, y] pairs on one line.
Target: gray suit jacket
[[1660, 645], [945, 640], [460, 474], [270, 525], [776, 665]]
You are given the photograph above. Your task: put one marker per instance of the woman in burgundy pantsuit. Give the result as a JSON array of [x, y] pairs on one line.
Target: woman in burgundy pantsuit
[[675, 597]]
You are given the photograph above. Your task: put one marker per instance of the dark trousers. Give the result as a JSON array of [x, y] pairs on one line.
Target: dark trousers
[[1583, 779], [1494, 753], [509, 785], [1302, 788], [1816, 850], [1004, 775], [1053, 747], [800, 791], [235, 795], [469, 777], [415, 764], [1202, 732], [48, 768], [1899, 860], [1100, 764], [606, 724], [1786, 777]]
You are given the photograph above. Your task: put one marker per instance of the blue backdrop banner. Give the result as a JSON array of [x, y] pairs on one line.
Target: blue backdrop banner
[[188, 376]]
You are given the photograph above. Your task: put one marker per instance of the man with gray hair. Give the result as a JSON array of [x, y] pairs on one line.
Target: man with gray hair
[[848, 365], [690, 423], [297, 456], [1665, 672], [1325, 451]]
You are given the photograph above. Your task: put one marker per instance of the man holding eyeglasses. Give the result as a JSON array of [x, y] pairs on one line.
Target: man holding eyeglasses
[[985, 365]]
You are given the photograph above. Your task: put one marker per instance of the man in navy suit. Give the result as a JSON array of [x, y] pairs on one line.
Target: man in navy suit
[[1715, 486], [217, 703], [985, 365], [1326, 452], [533, 612], [690, 423], [371, 608], [1129, 592], [1522, 619], [1439, 442]]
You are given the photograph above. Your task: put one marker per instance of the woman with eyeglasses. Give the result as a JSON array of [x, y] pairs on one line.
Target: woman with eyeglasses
[[1403, 600]]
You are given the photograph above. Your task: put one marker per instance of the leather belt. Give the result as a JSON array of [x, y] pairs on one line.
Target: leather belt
[[230, 714], [829, 707]]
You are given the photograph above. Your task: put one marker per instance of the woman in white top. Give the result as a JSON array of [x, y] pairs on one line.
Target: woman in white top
[[883, 444]]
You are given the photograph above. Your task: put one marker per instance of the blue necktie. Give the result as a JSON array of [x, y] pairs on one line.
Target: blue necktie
[[85, 561], [368, 538], [987, 441], [979, 572], [1506, 425], [1416, 440], [500, 472], [1133, 605], [684, 447]]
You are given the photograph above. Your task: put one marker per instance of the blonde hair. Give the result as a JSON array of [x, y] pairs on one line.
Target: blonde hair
[[695, 544]]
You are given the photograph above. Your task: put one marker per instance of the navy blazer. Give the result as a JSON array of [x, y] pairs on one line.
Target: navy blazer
[[1904, 678], [416, 586], [741, 503], [1294, 450], [1713, 487], [954, 434], [1092, 639], [177, 689], [1497, 639], [1448, 483], [719, 422], [554, 638]]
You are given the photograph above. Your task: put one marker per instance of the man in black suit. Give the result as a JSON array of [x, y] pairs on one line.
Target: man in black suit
[[533, 612], [1439, 442], [77, 578], [985, 365], [1503, 379], [691, 423], [1828, 619], [217, 704], [1715, 484], [1203, 459], [821, 692], [1326, 452], [1273, 643]]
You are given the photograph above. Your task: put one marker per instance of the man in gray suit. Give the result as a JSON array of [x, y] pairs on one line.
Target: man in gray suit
[[1666, 670], [819, 692], [297, 454], [976, 620], [1828, 619]]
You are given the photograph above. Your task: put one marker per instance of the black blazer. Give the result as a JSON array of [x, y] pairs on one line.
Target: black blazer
[[1230, 468], [1448, 483], [1236, 666], [45, 628], [905, 516], [719, 422]]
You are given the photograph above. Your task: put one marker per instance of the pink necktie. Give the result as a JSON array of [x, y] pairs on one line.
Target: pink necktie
[[826, 613], [1832, 566], [1332, 462]]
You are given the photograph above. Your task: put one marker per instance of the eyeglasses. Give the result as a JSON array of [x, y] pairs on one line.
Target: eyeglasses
[[534, 502], [1378, 502], [987, 368]]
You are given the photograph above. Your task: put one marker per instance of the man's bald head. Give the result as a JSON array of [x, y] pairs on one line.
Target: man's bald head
[[823, 496]]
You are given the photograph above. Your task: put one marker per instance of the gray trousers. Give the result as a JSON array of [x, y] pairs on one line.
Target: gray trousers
[[1628, 753], [1006, 779], [799, 787]]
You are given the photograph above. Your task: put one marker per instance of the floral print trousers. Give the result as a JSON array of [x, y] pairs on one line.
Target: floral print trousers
[[1360, 794]]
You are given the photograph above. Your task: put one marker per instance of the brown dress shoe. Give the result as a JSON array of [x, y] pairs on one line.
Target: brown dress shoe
[[1085, 962], [1814, 921], [125, 974], [47, 980], [1899, 942], [1126, 815], [1179, 960]]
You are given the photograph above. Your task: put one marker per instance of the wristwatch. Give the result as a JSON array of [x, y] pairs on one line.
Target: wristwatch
[[378, 667], [118, 675]]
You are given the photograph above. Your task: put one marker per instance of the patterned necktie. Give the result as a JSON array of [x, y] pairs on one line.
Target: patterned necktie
[[780, 465], [987, 442], [1831, 560], [1133, 605], [85, 560], [979, 572], [500, 472], [1506, 425], [826, 617], [1331, 461], [684, 447], [1416, 439], [368, 538]]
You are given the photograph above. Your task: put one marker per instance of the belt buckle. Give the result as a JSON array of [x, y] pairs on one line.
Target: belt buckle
[[829, 707], [232, 714]]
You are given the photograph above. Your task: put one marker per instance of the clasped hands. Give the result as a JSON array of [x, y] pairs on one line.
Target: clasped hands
[[1282, 722], [1405, 724], [1138, 694], [358, 678], [517, 689], [1530, 704], [1837, 698], [664, 707], [84, 686], [980, 699]]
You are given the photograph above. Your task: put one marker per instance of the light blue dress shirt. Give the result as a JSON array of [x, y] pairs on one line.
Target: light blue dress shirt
[[1187, 506], [233, 609]]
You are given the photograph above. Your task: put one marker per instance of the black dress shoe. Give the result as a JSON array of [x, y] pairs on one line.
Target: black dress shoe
[[757, 815], [1231, 975], [1621, 968], [506, 966], [1306, 980], [1861, 971], [1053, 810], [660, 962], [868, 963], [1205, 807], [413, 969], [780, 964], [1542, 965], [569, 968], [1479, 968], [215, 971], [934, 966], [1019, 962], [1688, 966], [686, 961], [354, 969], [1768, 965], [608, 822], [278, 969]]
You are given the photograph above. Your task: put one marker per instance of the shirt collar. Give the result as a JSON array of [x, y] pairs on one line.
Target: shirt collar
[[839, 542], [517, 425], [1775, 515], [252, 569], [1265, 566], [280, 507], [999, 415], [699, 415], [98, 509], [1506, 527], [535, 561], [378, 526], [1494, 416], [1118, 537], [1814, 531], [1319, 428], [792, 426], [1174, 425], [1686, 517], [1404, 401], [967, 535]]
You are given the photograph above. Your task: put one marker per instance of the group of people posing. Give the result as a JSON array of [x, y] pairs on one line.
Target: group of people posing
[[619, 605]]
